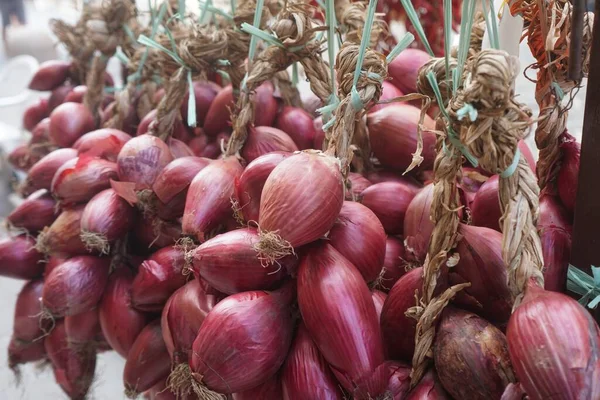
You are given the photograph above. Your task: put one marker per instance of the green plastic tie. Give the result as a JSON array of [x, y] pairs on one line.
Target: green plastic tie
[[585, 285], [466, 24], [447, 35], [557, 90], [295, 74], [204, 9], [156, 19], [121, 56], [402, 45], [467, 110], [191, 119], [508, 172], [490, 23], [495, 23], [232, 3], [355, 100], [215, 10], [255, 24], [414, 19], [129, 33], [181, 7]]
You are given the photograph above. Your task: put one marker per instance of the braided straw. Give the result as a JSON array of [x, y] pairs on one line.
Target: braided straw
[[288, 92], [73, 37], [351, 17]]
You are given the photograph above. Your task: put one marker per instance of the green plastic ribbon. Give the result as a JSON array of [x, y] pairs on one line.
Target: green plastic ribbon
[[156, 19], [466, 25], [513, 165], [355, 100], [491, 24], [215, 10], [295, 78], [447, 34], [181, 7], [557, 90], [414, 19], [585, 285], [467, 110], [402, 45], [331, 22]]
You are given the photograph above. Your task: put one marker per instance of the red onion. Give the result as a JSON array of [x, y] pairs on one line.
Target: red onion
[[310, 102], [179, 149], [41, 133], [83, 328], [147, 362], [306, 374], [73, 366], [269, 390], [418, 225], [389, 92], [120, 322], [249, 186], [79, 179], [179, 130], [35, 113], [359, 237], [300, 202], [22, 158], [161, 391], [20, 352], [141, 159], [176, 177], [481, 263], [404, 69], [485, 209], [298, 124], [428, 388], [472, 180], [554, 347], [378, 299], [63, 236], [203, 146], [340, 316], [27, 326], [41, 173], [218, 117], [34, 213], [471, 356], [265, 105], [58, 96], [54, 261], [395, 265], [182, 317], [393, 134], [157, 278], [392, 176], [19, 259], [208, 201], [229, 263], [398, 330], [204, 94], [68, 122], [265, 139], [389, 201], [568, 174], [399, 383], [77, 94], [106, 218], [155, 233], [358, 184], [249, 329], [320, 134], [105, 143], [555, 234], [50, 75], [75, 286]]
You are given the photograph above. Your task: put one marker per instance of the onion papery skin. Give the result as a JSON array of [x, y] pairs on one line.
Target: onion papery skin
[[358, 184], [35, 113], [104, 143], [481, 263], [269, 390], [379, 300], [182, 317], [21, 158], [393, 135], [218, 117], [83, 328], [389, 201], [157, 278], [20, 352], [79, 179], [399, 383], [204, 94], [302, 197], [568, 175], [50, 75], [298, 124], [471, 356], [154, 234], [348, 336], [141, 159], [249, 186], [120, 322], [254, 329], [306, 374], [263, 140], [41, 173], [76, 285], [359, 237], [428, 388], [230, 264], [160, 391], [418, 225], [398, 330], [394, 263], [208, 201], [64, 235], [177, 176], [34, 213], [148, 360], [389, 92], [485, 209], [19, 259], [554, 229], [27, 326], [68, 122], [554, 345], [73, 366], [106, 215], [404, 69]]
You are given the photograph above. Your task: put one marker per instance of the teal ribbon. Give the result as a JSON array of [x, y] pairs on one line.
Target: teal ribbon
[[513, 166], [465, 110], [585, 285]]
